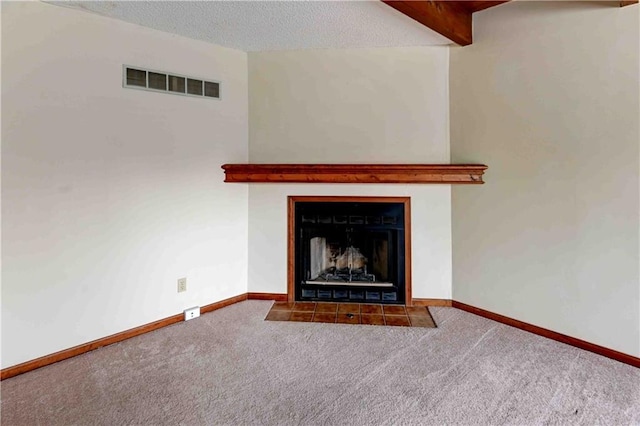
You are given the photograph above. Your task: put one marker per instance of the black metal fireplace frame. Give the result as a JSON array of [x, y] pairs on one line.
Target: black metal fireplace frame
[[401, 204]]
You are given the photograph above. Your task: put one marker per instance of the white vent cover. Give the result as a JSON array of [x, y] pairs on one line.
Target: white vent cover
[[176, 84]]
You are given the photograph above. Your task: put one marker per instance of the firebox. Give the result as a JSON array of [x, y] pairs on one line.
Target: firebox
[[350, 252]]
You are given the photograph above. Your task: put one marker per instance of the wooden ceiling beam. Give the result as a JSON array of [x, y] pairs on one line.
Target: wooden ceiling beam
[[444, 17], [454, 18]]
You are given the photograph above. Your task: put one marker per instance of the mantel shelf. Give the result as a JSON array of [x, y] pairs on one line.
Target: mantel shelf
[[355, 173]]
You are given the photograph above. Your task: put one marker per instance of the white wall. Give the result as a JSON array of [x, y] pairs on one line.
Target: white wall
[[547, 97], [350, 106], [110, 194], [430, 224]]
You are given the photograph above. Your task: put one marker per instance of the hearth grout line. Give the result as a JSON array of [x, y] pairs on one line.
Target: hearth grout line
[[406, 318]]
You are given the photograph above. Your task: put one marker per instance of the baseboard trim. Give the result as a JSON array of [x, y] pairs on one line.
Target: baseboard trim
[[282, 297], [105, 341], [278, 297], [80, 349], [578, 343], [432, 302], [223, 303]]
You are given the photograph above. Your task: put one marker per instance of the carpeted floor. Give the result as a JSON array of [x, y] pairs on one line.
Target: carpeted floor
[[232, 367]]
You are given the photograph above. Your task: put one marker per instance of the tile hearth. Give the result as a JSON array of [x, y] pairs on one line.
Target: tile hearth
[[352, 313]]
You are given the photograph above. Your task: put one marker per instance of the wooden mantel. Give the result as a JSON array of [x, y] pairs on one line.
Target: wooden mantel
[[355, 173]]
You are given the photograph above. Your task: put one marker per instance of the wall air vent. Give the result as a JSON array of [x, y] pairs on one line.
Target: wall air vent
[[160, 81]]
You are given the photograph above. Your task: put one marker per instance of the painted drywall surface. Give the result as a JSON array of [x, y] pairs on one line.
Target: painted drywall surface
[[109, 195], [547, 96], [350, 106], [430, 223]]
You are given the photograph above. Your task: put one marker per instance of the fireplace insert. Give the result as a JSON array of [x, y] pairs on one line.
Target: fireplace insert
[[350, 252]]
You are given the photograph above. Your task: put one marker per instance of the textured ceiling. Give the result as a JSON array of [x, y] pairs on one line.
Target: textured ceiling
[[273, 25]]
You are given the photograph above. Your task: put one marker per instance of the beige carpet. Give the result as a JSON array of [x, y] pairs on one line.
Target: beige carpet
[[231, 367]]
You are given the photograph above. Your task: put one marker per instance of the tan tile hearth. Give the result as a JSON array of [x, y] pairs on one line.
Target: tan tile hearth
[[352, 313]]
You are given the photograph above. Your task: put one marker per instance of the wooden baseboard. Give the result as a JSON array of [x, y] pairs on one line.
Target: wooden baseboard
[[591, 347], [80, 349], [278, 297], [432, 302], [281, 297], [114, 338], [223, 303]]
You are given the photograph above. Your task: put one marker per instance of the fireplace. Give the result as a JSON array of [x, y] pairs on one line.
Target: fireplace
[[349, 249]]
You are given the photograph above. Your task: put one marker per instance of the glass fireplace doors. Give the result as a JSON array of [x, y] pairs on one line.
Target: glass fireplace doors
[[350, 251]]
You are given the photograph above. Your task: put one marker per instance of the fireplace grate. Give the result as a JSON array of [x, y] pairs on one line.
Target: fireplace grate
[[349, 295]]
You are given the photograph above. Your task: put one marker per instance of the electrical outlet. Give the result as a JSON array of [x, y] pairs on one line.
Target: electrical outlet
[[191, 313], [182, 285]]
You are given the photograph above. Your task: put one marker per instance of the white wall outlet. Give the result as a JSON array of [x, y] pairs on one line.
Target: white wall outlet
[[182, 285], [191, 313]]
